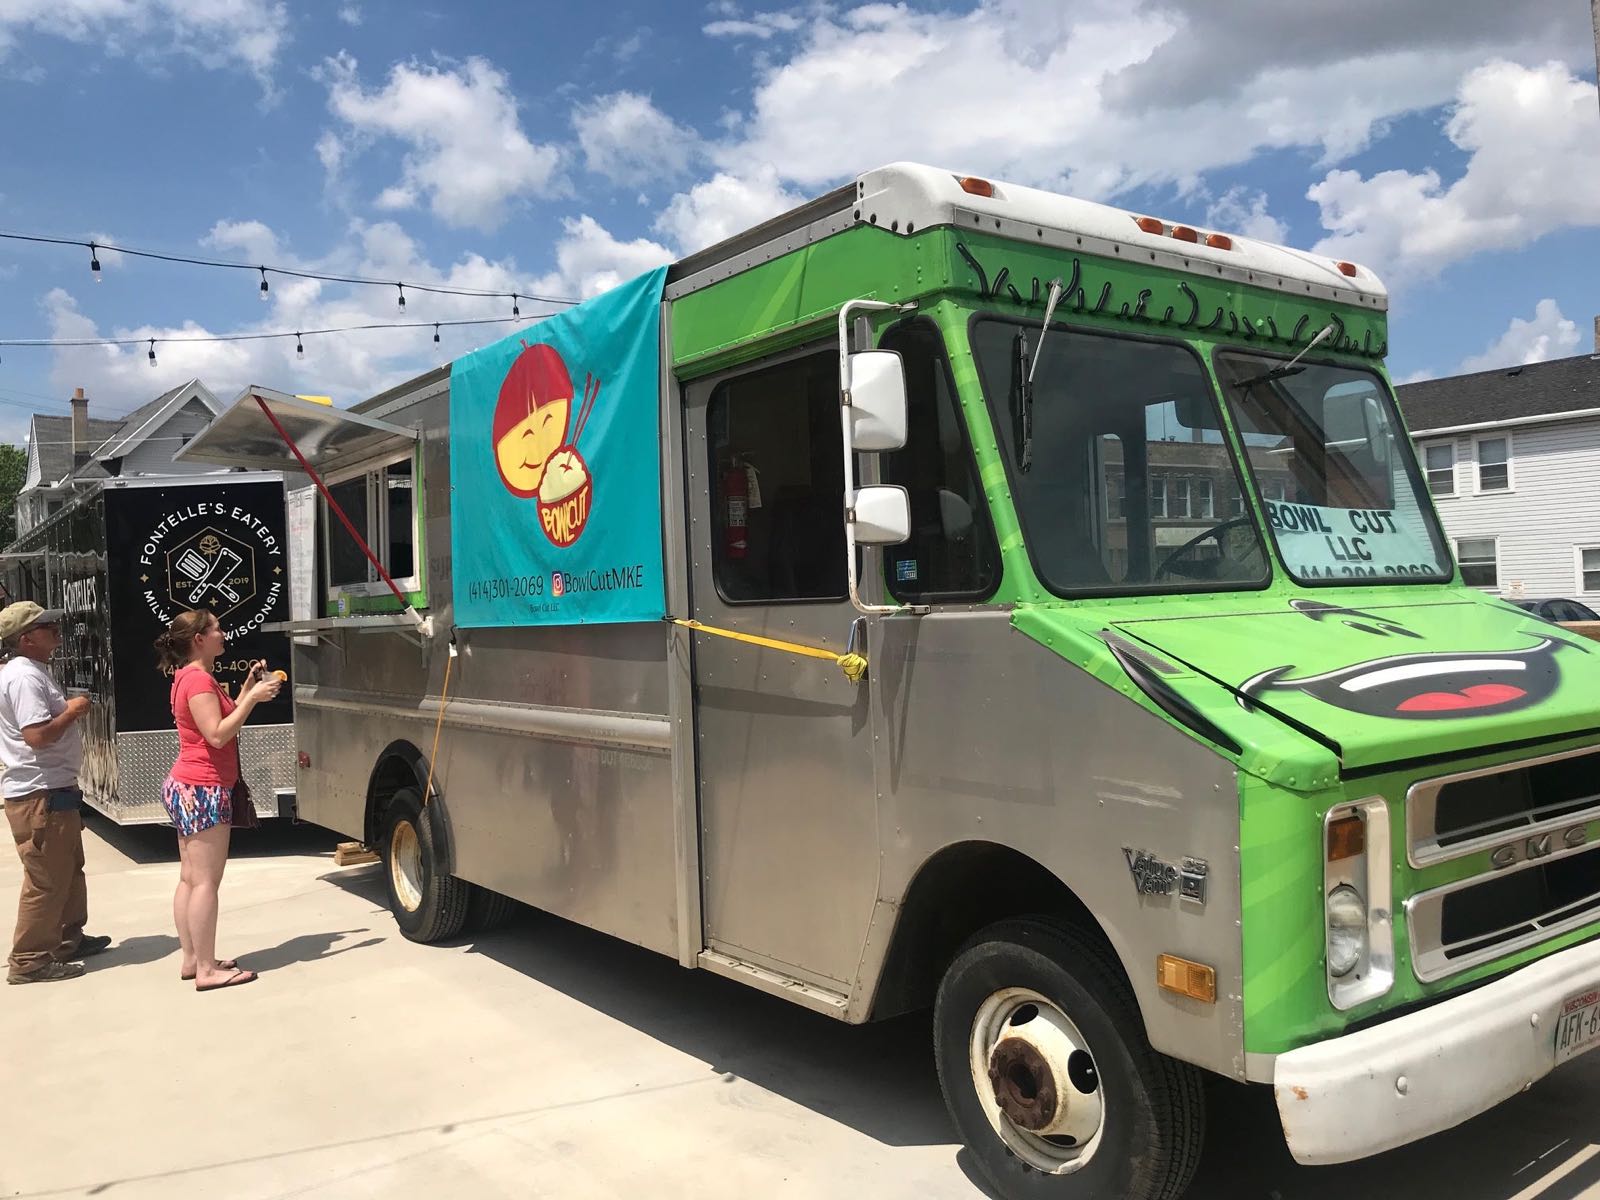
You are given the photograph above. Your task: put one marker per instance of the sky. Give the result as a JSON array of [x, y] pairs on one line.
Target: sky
[[555, 149]]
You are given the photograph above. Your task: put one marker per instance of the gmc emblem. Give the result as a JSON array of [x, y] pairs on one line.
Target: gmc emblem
[[1541, 846]]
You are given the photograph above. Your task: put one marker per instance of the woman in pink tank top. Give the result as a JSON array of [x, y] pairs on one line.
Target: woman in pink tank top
[[198, 793]]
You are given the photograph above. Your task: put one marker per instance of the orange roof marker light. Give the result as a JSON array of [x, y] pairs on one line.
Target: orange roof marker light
[[1347, 268], [1219, 241], [1150, 224], [972, 185], [1184, 234]]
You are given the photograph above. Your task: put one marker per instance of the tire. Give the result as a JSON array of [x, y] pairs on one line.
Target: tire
[[1147, 1111], [488, 910], [428, 905]]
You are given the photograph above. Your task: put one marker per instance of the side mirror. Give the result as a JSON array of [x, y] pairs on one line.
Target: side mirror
[[882, 515], [877, 400]]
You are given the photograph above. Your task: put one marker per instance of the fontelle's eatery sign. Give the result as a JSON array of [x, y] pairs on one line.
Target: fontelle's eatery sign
[[213, 555]]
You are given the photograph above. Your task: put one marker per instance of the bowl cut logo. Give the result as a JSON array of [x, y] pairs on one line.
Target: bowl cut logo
[[536, 458], [1427, 686]]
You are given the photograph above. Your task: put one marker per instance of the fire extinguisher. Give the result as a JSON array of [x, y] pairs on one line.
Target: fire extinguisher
[[736, 496]]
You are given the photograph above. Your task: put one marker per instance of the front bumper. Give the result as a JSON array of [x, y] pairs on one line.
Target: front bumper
[[1367, 1092]]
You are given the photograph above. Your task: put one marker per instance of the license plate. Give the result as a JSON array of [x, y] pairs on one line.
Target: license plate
[[1578, 1027]]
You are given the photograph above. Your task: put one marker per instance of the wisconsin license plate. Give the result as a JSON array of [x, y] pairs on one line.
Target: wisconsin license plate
[[1578, 1027]]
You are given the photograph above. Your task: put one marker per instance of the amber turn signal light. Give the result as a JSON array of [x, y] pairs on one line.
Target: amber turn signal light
[[1184, 234], [1194, 980], [1349, 269], [1347, 838], [1219, 241], [974, 186], [1150, 224]]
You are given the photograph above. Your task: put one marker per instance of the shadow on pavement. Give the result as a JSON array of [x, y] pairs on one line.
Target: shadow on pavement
[[879, 1079], [308, 947], [135, 951]]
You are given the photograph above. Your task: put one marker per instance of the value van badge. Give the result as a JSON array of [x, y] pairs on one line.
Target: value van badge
[[536, 459]]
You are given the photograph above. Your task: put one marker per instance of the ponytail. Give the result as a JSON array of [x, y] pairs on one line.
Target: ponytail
[[175, 646]]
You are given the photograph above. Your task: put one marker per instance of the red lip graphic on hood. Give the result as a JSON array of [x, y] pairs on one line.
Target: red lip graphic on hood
[[1478, 695]]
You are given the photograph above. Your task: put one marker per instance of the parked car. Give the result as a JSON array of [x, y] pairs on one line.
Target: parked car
[[1569, 613]]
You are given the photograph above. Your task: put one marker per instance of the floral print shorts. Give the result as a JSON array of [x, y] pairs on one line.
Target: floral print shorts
[[196, 807]]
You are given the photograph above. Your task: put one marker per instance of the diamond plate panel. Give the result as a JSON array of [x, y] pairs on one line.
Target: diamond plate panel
[[131, 795]]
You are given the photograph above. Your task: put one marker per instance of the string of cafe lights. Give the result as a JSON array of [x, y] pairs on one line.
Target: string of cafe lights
[[299, 335], [400, 285]]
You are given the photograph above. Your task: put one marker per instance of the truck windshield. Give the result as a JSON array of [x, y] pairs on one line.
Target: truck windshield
[[1335, 472], [1122, 479]]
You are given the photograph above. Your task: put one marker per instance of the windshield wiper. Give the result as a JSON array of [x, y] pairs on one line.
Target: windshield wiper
[[1025, 373], [1284, 370]]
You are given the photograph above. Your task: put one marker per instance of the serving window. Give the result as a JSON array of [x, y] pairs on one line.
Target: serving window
[[381, 499]]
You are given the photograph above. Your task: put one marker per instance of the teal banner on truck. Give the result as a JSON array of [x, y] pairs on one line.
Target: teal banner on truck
[[555, 469]]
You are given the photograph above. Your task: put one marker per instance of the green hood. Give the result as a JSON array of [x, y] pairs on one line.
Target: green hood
[[1372, 676]]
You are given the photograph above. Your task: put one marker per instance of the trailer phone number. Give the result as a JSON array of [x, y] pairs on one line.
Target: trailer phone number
[[506, 587]]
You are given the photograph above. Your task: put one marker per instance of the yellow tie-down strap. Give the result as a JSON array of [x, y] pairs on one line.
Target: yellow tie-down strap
[[853, 665]]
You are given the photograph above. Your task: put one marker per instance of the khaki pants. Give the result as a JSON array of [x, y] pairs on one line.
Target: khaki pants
[[55, 899]]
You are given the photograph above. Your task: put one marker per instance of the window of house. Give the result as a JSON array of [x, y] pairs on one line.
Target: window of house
[[1158, 495], [1180, 498], [1494, 464], [1480, 565], [381, 502], [777, 429], [1116, 492], [952, 552], [1205, 505], [1589, 568], [1440, 462]]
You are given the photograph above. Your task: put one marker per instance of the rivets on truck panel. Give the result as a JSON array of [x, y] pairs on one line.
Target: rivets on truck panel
[[1402, 1085]]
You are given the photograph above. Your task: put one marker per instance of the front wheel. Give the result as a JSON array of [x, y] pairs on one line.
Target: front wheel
[[427, 903], [1049, 1077]]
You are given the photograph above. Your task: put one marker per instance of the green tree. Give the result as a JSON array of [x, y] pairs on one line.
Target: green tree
[[13, 470]]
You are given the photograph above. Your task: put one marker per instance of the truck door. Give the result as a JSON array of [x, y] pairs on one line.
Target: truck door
[[789, 834]]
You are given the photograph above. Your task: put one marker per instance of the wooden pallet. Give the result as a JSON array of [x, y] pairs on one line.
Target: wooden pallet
[[350, 854]]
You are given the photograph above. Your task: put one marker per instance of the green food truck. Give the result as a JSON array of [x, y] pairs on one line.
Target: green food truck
[[954, 594]]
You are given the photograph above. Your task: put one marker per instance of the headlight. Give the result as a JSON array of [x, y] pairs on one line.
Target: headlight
[[1347, 930]]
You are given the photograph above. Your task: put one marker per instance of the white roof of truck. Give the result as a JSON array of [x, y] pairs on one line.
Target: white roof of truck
[[905, 197]]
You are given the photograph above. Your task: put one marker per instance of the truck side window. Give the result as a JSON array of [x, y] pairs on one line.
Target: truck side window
[[952, 553], [777, 483]]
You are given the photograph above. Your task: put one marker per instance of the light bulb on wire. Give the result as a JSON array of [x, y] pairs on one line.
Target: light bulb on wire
[[299, 346], [152, 355], [436, 331], [94, 262], [265, 287], [515, 311], [402, 288]]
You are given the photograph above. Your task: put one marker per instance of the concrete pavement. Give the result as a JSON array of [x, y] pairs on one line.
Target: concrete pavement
[[544, 1061]]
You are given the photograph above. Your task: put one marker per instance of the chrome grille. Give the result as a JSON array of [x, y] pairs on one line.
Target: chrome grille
[[1452, 816], [1475, 920]]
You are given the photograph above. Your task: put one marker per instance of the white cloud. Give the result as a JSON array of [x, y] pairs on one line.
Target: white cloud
[[1071, 96], [629, 140], [722, 206], [1242, 212], [589, 259], [1549, 335], [218, 34], [468, 154], [759, 25], [350, 14], [1533, 140]]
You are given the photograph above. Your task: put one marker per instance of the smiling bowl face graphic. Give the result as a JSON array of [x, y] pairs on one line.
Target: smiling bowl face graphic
[[1427, 686]]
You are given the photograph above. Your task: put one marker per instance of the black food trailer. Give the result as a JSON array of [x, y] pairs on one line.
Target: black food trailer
[[122, 560]]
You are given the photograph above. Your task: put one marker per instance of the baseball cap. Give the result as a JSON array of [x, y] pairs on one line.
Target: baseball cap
[[17, 619]]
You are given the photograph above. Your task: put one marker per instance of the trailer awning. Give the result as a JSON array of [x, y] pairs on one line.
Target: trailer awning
[[242, 436]]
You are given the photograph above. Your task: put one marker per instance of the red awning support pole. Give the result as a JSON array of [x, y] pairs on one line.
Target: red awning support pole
[[333, 506]]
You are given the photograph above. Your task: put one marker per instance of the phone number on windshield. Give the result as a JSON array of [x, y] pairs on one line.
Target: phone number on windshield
[[506, 587]]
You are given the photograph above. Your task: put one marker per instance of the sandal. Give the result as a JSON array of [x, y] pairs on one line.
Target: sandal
[[227, 964], [237, 979]]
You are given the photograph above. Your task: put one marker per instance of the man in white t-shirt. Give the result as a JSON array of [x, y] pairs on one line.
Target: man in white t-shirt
[[43, 748]]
